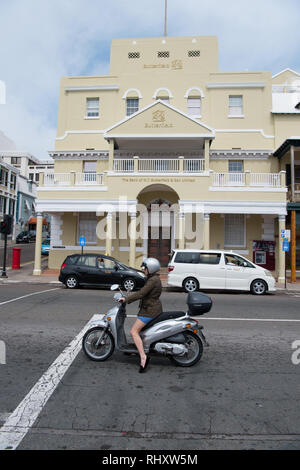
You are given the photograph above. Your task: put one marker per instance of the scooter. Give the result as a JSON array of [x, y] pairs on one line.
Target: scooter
[[173, 334]]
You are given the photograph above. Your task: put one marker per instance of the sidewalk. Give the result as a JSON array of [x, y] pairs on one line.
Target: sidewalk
[[50, 276]]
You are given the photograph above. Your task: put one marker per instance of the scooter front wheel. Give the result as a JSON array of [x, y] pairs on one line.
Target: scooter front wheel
[[194, 351], [98, 344]]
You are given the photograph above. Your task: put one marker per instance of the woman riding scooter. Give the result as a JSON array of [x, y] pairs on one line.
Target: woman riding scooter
[[150, 305]]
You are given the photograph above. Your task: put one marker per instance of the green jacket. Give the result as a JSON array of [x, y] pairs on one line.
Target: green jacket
[[150, 305]]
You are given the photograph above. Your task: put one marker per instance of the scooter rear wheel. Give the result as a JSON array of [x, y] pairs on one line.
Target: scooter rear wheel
[[195, 350], [103, 350]]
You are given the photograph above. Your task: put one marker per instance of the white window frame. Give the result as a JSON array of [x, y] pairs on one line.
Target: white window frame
[[226, 221], [190, 100], [92, 109], [234, 110], [87, 216], [136, 108]]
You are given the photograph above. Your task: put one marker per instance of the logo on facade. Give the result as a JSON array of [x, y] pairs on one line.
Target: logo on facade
[[2, 92], [176, 64], [158, 116]]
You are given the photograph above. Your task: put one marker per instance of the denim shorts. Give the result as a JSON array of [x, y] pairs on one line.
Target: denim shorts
[[145, 319]]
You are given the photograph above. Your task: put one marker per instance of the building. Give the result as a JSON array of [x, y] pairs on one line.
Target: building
[[8, 189], [166, 151]]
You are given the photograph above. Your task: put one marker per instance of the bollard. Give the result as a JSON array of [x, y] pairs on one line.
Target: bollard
[[16, 254]]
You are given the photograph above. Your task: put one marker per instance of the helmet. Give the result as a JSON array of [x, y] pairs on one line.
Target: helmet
[[152, 264]]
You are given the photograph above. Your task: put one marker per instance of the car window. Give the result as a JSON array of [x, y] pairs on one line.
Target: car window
[[46, 242], [71, 260], [210, 258], [234, 260], [187, 257], [109, 264], [87, 261]]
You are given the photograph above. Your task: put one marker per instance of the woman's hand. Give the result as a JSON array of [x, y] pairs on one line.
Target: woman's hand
[[121, 299]]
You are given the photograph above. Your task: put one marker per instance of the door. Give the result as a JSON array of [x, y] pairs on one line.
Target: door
[[87, 269], [238, 272], [211, 271], [159, 247]]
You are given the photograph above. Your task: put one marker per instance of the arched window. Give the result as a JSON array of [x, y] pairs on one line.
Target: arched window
[[132, 99], [163, 94], [194, 100]]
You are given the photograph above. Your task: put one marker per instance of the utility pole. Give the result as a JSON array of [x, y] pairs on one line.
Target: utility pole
[[165, 31]]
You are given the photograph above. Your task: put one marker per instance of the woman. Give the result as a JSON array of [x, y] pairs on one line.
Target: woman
[[150, 305]]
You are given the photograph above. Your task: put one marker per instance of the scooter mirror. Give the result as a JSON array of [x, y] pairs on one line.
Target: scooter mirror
[[114, 287]]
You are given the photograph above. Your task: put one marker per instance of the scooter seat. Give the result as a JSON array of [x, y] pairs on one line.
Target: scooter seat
[[162, 317]]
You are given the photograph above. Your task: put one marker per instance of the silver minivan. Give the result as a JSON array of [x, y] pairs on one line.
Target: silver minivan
[[217, 269]]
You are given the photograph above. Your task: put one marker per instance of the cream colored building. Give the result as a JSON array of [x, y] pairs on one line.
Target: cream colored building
[[166, 136]]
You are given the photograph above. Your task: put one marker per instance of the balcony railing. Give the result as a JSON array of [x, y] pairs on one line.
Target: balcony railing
[[272, 180], [158, 165], [71, 179], [57, 179], [83, 179]]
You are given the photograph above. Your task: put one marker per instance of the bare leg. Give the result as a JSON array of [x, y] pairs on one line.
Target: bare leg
[[135, 330]]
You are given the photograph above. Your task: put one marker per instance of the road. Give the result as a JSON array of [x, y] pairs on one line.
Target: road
[[26, 255], [243, 394]]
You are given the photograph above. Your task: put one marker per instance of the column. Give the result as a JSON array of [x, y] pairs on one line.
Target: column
[[206, 155], [111, 155], [108, 234], [206, 231], [181, 231], [132, 239], [281, 254], [293, 246], [38, 245]]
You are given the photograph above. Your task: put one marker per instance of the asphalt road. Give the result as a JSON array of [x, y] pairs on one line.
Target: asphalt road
[[26, 255], [243, 394]]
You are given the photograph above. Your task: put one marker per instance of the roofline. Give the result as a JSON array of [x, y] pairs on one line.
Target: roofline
[[286, 145], [285, 70]]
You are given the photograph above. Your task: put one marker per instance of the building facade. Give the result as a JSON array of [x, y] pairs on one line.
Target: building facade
[[8, 189], [166, 151]]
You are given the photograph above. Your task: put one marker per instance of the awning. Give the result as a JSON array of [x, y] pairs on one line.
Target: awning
[[33, 220], [285, 147]]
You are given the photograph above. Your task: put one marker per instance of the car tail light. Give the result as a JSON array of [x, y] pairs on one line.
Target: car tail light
[[170, 268], [63, 266]]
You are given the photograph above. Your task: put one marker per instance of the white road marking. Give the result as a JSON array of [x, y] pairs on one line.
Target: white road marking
[[24, 416], [238, 319], [28, 295]]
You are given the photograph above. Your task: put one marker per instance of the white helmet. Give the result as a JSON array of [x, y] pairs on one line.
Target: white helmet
[[152, 264]]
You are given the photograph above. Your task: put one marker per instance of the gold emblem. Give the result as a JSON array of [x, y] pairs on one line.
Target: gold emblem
[[158, 116], [176, 64]]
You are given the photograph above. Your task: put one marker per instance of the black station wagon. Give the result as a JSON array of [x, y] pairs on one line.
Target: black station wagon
[[99, 270]]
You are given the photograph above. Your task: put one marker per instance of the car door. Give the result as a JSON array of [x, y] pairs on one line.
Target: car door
[[211, 271], [238, 272], [110, 272], [87, 269]]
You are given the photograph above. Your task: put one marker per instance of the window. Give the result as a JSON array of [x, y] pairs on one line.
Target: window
[[236, 166], [234, 230], [132, 106], [194, 106], [87, 225], [89, 167], [210, 258], [133, 55], [164, 99], [87, 261], [233, 260], [163, 54], [236, 105], [187, 257], [92, 107], [193, 53]]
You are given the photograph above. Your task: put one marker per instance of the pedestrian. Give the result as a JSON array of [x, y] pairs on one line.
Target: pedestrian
[[150, 305]]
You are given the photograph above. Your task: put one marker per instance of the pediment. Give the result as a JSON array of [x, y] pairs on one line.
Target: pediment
[[159, 119]]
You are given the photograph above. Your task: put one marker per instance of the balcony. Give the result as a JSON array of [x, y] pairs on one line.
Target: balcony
[[72, 179], [259, 180], [158, 165]]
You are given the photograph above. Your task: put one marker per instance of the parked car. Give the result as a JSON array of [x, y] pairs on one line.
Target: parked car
[[217, 269], [99, 270], [45, 246], [25, 237]]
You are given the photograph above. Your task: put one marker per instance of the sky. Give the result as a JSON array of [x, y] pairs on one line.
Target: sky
[[43, 40]]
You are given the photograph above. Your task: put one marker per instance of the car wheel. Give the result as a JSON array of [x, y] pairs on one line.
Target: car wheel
[[71, 282], [129, 284], [258, 287], [190, 284]]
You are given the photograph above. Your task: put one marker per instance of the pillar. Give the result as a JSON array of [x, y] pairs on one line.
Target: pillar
[[281, 254], [181, 231], [38, 245], [293, 246], [132, 239], [111, 155], [206, 231], [206, 155], [108, 234]]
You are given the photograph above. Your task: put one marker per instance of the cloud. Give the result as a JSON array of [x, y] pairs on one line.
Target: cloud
[[41, 41]]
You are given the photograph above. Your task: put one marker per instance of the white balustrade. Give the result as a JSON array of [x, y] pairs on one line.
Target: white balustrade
[[57, 179], [239, 179], [191, 165], [158, 165], [265, 179], [229, 179], [123, 165], [89, 178]]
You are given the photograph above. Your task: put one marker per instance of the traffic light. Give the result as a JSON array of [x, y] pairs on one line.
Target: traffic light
[[6, 225]]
